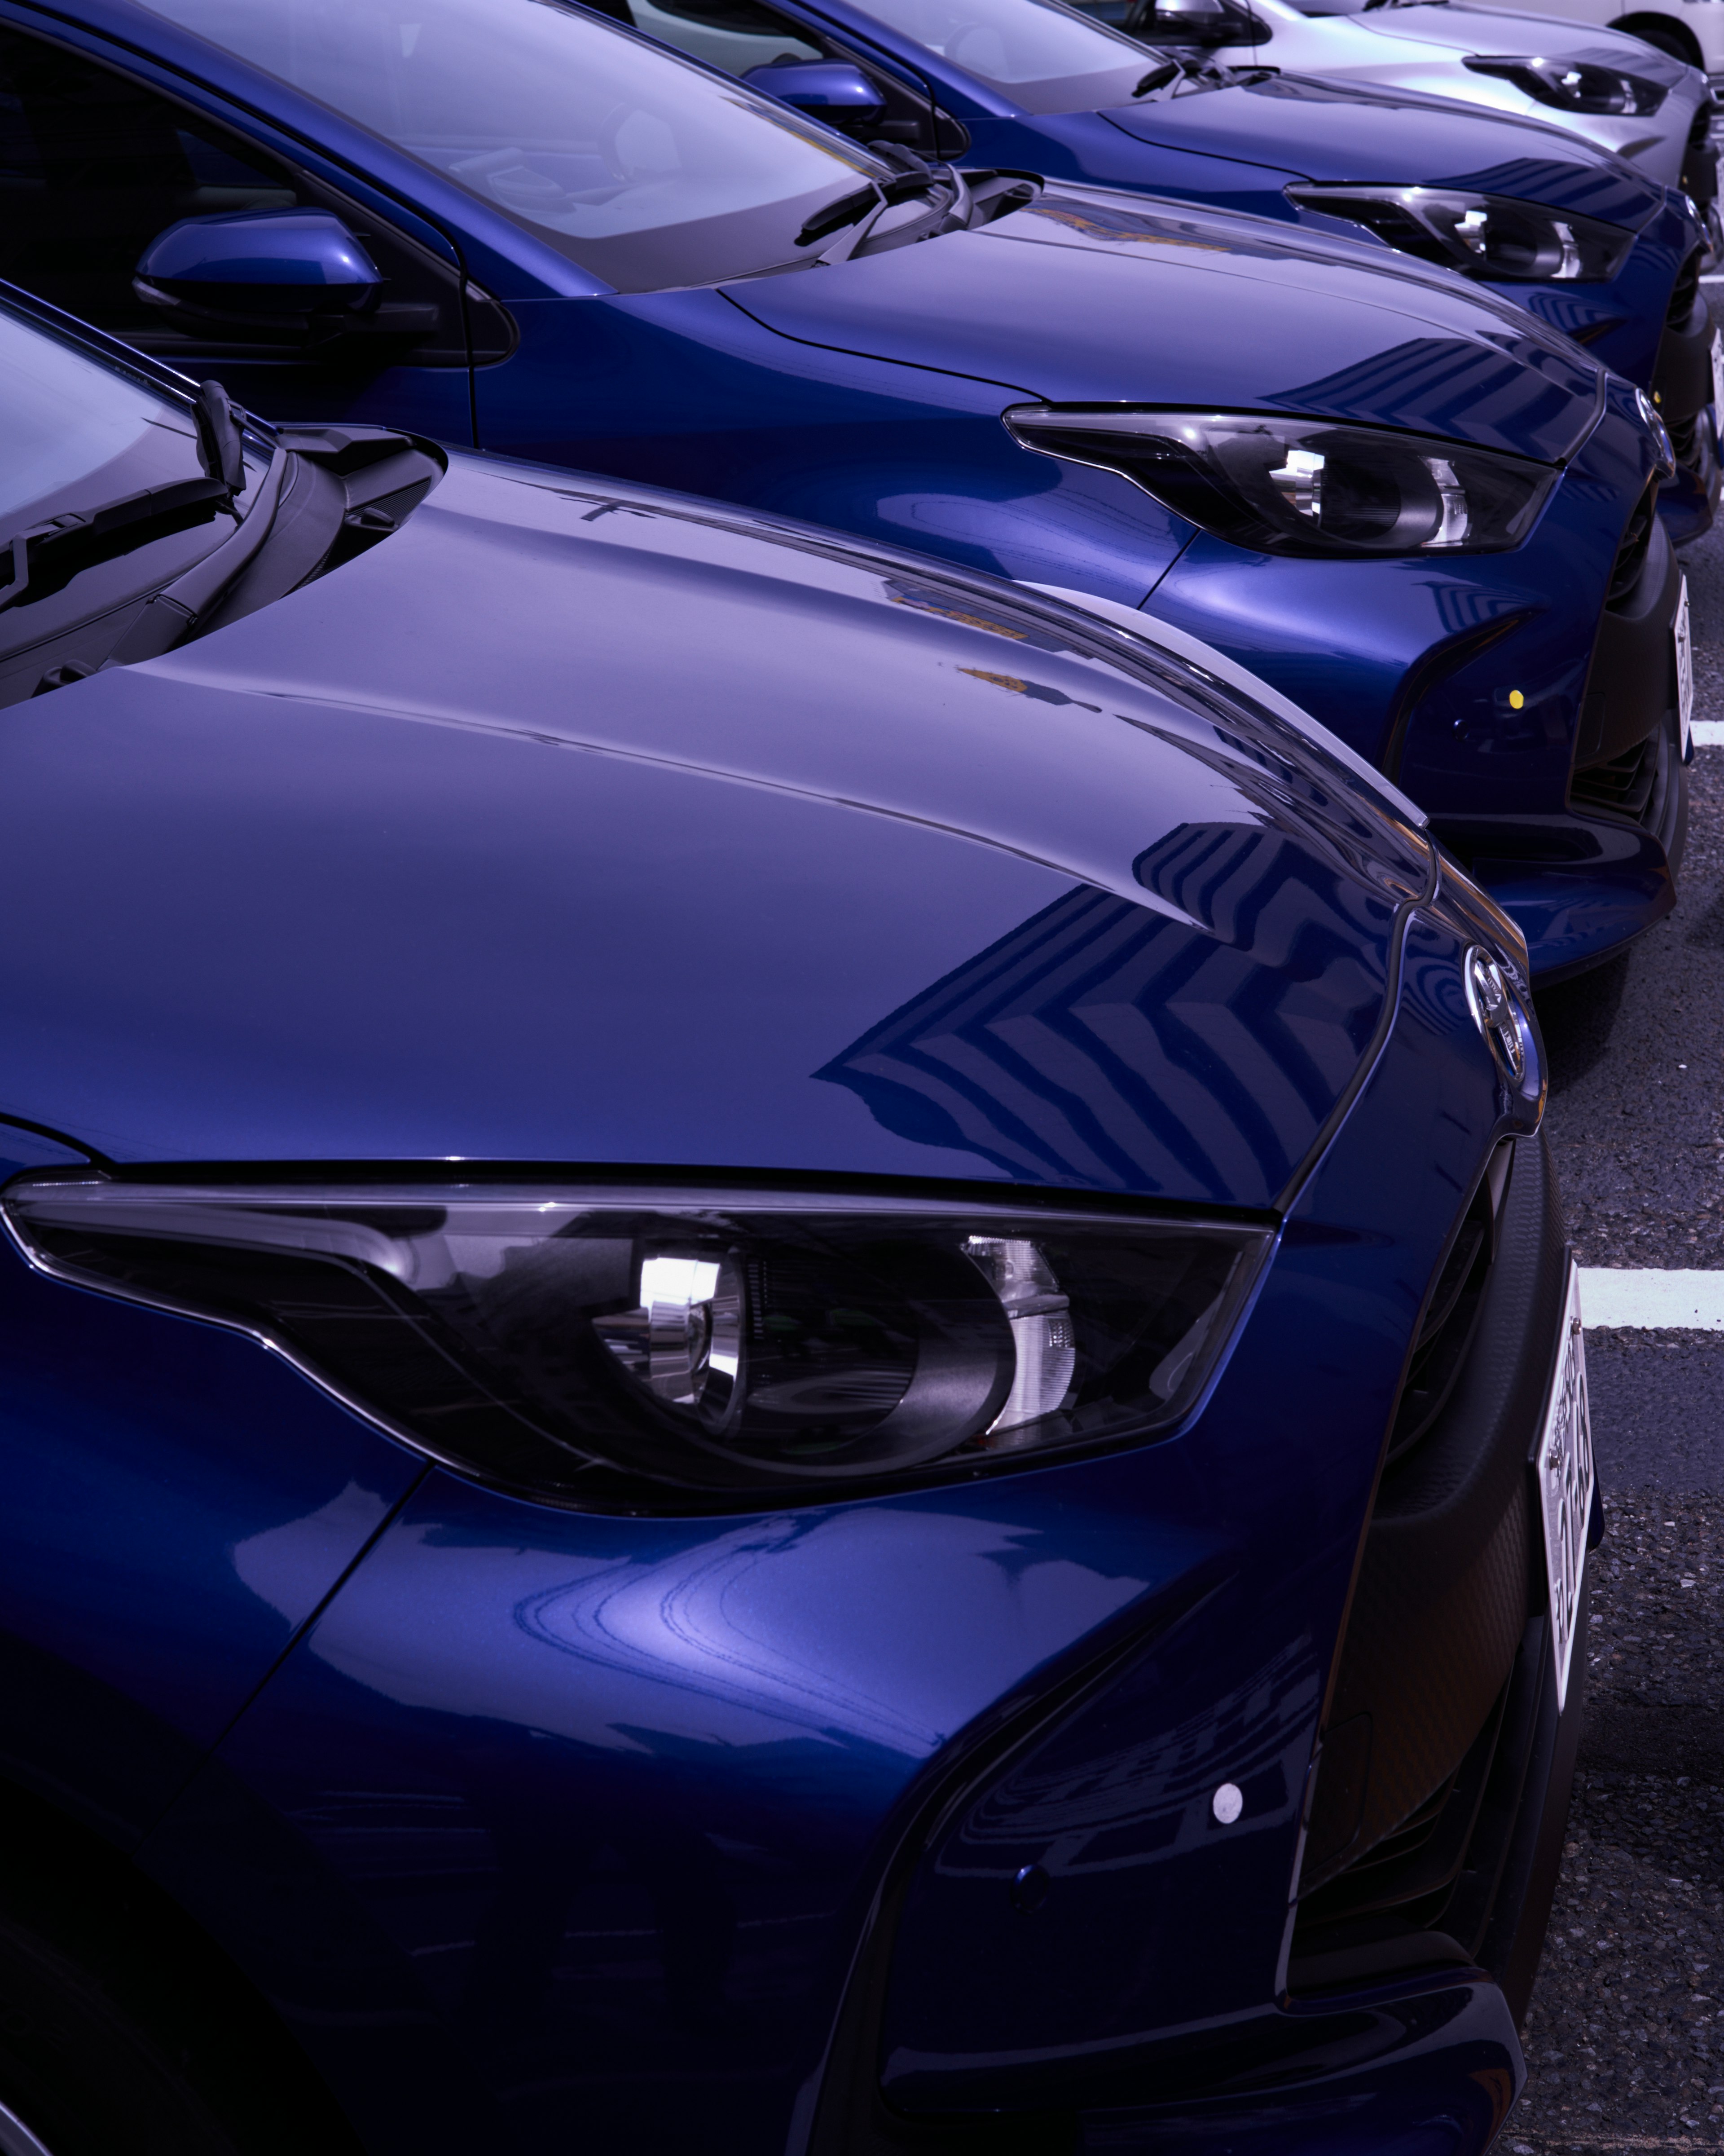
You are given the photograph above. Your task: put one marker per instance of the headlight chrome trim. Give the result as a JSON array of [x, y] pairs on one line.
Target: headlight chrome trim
[[969, 1282], [1573, 85], [1279, 484], [1498, 237]]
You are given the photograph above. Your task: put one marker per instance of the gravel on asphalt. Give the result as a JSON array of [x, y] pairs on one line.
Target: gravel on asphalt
[[1625, 2036], [1657, 1400], [1636, 1117]]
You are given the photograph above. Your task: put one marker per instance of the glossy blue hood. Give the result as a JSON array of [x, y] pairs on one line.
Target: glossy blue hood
[[1343, 131], [1092, 296], [574, 826]]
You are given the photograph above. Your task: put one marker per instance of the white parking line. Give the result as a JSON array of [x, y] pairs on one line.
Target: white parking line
[[1617, 1296], [1709, 733]]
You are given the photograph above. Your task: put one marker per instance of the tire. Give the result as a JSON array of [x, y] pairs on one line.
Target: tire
[[1669, 38], [79, 2074]]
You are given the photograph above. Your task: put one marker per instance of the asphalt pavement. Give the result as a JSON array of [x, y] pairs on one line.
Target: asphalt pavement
[[1625, 2036]]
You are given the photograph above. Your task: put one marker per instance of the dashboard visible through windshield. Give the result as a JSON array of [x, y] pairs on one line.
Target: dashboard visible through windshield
[[643, 169], [1044, 56]]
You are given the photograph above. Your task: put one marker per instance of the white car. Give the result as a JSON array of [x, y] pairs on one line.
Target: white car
[[1630, 96]]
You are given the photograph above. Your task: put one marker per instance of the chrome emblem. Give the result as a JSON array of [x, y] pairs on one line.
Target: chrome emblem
[[1494, 1014]]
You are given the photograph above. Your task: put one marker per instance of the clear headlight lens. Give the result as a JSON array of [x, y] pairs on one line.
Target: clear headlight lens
[[1303, 486], [614, 1349], [1492, 236], [1572, 85]]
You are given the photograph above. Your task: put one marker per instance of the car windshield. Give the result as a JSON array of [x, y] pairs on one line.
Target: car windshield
[[67, 422], [642, 167], [1044, 57]]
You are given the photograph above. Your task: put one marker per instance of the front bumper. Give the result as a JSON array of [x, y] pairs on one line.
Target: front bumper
[[1584, 878], [1469, 684], [1431, 1852]]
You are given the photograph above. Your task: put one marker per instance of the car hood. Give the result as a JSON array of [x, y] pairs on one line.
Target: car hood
[[1353, 131], [575, 826], [1492, 30], [1093, 296]]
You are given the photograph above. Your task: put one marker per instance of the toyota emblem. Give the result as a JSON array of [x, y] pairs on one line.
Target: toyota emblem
[[1494, 1014]]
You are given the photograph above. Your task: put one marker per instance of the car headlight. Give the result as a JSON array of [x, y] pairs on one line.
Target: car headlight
[[1494, 236], [1302, 486], [625, 1349], [1572, 85]]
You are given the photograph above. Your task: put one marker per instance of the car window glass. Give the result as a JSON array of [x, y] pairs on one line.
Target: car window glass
[[643, 168], [739, 35], [1045, 57], [733, 35], [64, 416], [93, 166]]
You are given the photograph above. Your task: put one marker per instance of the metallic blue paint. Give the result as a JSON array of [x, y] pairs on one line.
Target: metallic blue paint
[[268, 246], [868, 396], [1240, 148], [884, 754], [576, 825]]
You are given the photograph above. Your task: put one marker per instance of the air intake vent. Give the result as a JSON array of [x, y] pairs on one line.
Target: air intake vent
[[1684, 292], [1631, 554], [1441, 1601], [1452, 1312], [1624, 786]]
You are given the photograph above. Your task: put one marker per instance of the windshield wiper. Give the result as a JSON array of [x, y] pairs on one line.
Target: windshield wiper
[[46, 557], [957, 201], [837, 214], [1158, 78], [171, 614]]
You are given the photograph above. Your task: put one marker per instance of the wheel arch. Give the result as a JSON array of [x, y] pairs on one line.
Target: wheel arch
[[64, 1884], [1666, 32]]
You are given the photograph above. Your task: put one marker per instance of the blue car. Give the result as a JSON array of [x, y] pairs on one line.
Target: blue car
[[1588, 243], [1409, 505], [771, 1321]]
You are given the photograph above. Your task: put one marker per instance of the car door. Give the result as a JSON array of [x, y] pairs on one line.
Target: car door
[[96, 163]]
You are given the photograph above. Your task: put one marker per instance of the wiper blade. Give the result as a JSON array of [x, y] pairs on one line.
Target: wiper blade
[[915, 178], [837, 215], [175, 611], [1158, 78], [46, 557]]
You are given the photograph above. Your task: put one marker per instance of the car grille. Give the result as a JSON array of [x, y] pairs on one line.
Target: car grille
[[1436, 1702]]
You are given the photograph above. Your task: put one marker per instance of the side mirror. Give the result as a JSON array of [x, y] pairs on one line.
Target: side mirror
[[295, 270], [822, 86], [1204, 22]]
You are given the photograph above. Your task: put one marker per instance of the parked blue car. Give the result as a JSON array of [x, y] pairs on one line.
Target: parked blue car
[[1588, 243], [771, 1326], [1412, 507]]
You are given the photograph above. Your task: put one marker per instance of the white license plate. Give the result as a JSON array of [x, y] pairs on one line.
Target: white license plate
[[1718, 374], [1685, 670], [1565, 1485]]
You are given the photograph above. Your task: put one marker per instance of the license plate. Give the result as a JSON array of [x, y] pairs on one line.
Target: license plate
[[1718, 374], [1565, 1485], [1685, 670]]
